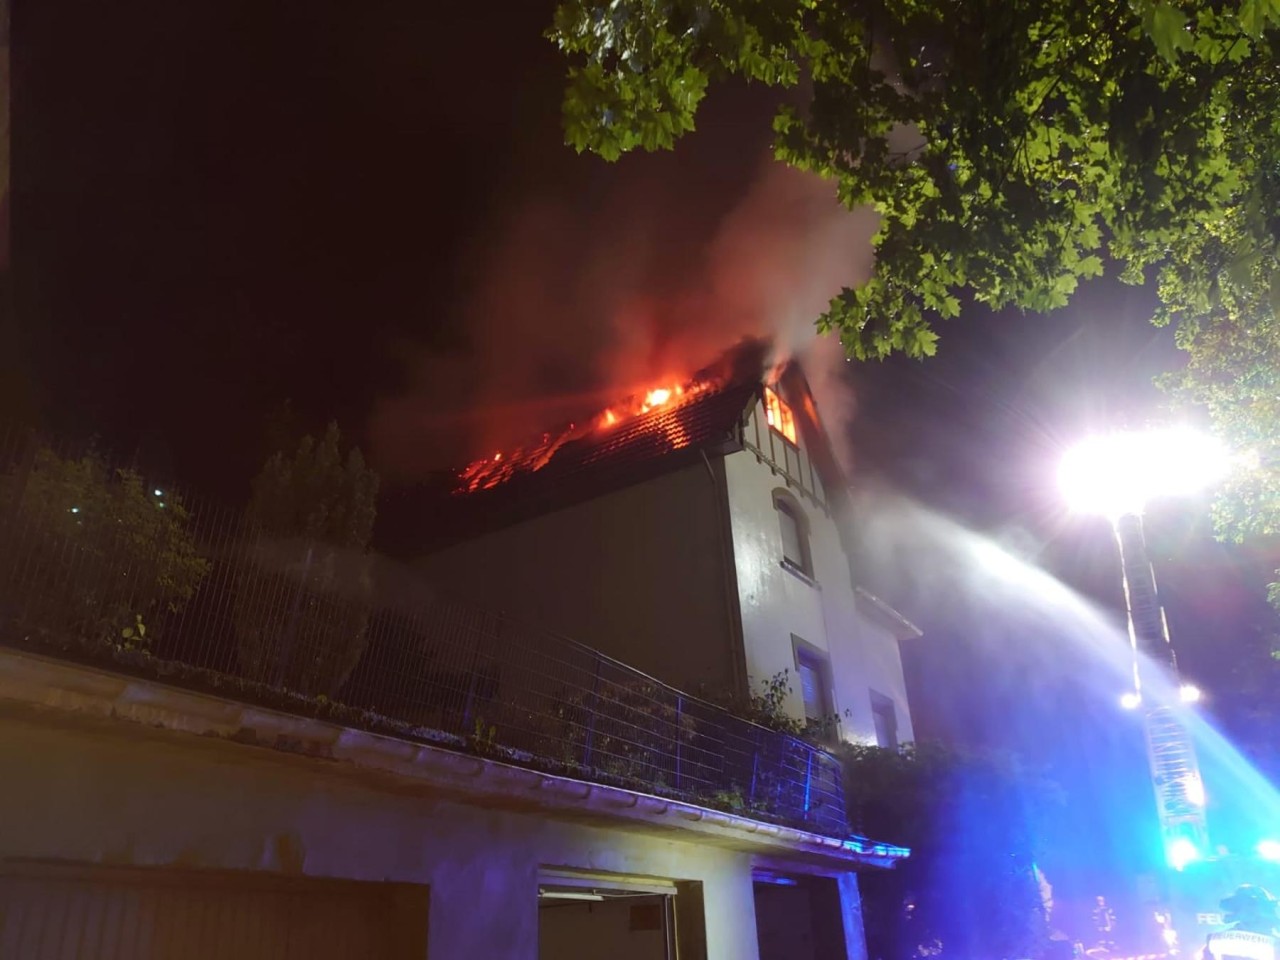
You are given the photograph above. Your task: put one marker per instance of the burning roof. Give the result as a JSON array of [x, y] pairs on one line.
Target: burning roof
[[654, 430], [674, 414]]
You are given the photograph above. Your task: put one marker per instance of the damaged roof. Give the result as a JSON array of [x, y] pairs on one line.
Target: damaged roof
[[589, 463]]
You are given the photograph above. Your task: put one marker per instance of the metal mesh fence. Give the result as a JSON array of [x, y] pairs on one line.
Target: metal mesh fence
[[99, 565]]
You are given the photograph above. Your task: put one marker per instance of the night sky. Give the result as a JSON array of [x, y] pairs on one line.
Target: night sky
[[220, 205]]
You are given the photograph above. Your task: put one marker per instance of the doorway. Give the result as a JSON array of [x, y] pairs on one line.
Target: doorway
[[599, 917], [798, 917]]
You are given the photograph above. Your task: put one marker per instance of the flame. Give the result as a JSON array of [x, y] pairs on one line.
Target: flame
[[492, 471]]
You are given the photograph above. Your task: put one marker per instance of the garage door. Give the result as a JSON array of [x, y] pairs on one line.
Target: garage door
[[61, 913]]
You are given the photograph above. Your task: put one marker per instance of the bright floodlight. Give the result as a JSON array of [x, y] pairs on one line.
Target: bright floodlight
[[1181, 852], [1118, 473], [1130, 700], [1189, 693], [1269, 850], [1193, 787]]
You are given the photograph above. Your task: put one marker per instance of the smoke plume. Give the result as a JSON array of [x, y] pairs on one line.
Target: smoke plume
[[573, 307]]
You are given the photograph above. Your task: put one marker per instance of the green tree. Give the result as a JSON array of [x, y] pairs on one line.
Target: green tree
[[302, 606], [1233, 372], [1007, 146], [1012, 148], [91, 554], [970, 887]]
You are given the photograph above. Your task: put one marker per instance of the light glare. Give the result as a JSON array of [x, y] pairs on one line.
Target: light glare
[[1193, 786], [1130, 700], [1269, 850], [1189, 693], [1182, 852], [1118, 473]]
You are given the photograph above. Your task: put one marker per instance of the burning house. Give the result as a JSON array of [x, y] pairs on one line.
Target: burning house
[[694, 531], [310, 754]]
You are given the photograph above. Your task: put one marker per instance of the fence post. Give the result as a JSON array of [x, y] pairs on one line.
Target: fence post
[[9, 520], [808, 781], [594, 701], [679, 734], [473, 679], [755, 766]]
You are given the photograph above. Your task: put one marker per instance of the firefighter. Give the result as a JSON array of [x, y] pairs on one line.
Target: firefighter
[[1251, 912]]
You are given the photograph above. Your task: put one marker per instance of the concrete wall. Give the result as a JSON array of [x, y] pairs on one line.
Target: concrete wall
[[777, 604], [638, 574], [86, 793]]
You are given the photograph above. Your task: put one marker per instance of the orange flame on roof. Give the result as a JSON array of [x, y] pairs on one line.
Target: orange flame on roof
[[632, 413]]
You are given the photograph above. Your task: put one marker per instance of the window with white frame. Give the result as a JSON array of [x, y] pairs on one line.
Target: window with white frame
[[813, 671], [794, 527]]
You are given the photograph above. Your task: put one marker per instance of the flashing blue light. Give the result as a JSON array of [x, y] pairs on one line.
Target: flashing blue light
[[1181, 852], [1269, 850]]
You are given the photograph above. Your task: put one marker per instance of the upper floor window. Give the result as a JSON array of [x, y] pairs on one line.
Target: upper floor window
[[778, 413], [886, 719], [794, 527], [814, 674]]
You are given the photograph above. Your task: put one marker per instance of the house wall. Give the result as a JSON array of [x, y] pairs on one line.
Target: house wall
[[778, 605], [86, 793], [881, 666], [638, 573]]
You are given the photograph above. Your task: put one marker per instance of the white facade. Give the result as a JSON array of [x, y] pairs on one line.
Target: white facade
[[786, 610]]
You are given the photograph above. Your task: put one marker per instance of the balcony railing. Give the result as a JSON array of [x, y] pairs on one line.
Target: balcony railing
[[100, 566]]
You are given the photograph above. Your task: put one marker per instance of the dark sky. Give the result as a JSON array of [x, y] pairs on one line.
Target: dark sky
[[223, 204]]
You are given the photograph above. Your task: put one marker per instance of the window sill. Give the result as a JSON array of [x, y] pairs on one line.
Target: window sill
[[799, 574]]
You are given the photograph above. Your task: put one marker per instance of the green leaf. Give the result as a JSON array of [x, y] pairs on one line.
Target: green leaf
[[1257, 15], [1168, 30]]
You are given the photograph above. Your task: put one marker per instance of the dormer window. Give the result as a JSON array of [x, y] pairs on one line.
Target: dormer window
[[778, 414]]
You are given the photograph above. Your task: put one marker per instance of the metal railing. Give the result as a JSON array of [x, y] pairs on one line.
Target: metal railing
[[100, 566]]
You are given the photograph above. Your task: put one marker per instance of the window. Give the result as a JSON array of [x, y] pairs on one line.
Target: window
[[886, 720], [814, 673], [779, 415], [795, 533]]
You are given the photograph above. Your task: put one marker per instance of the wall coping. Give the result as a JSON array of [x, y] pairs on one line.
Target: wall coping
[[32, 682]]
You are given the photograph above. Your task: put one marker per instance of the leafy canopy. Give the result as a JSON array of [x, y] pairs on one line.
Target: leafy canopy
[[314, 495], [1012, 148], [1009, 147], [126, 550]]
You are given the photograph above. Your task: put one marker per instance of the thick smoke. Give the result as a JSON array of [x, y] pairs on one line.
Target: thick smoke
[[575, 307]]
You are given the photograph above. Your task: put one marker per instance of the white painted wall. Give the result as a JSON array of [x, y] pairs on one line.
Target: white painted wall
[[881, 665], [86, 793], [776, 604]]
